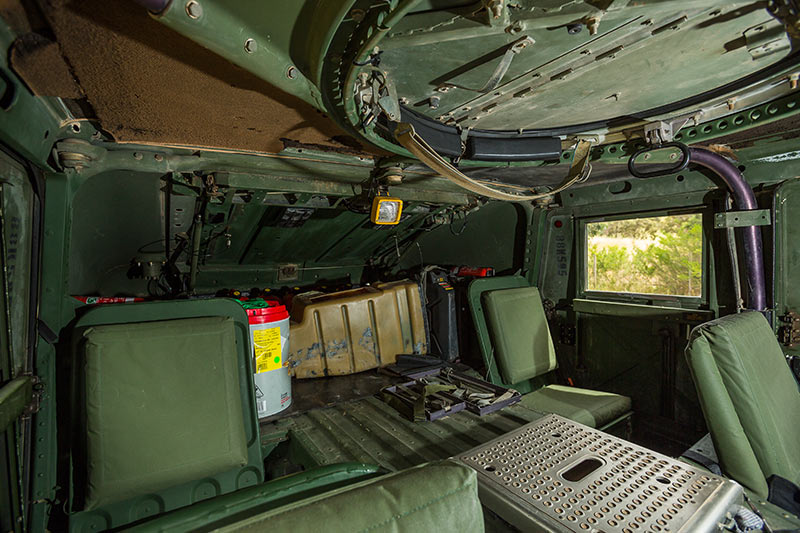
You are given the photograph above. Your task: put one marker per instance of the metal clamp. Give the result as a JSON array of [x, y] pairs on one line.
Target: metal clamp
[[740, 219]]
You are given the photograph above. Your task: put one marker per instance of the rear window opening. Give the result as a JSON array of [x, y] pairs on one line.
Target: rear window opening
[[648, 255]]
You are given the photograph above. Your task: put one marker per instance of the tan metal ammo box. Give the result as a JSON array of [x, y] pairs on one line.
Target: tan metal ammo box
[[355, 330]]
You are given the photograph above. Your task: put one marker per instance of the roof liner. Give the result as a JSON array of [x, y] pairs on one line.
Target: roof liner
[[148, 84]]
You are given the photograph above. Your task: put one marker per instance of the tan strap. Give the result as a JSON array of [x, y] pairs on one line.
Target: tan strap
[[415, 144]]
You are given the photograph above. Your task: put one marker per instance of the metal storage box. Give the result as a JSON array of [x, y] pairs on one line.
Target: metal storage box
[[355, 330]]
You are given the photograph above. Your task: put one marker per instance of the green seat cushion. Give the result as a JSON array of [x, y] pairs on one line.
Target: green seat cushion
[[519, 332], [589, 407], [749, 399], [162, 406], [441, 496]]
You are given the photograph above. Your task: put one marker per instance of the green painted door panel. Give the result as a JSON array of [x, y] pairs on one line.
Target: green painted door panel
[[16, 242], [17, 227], [115, 216], [787, 253]]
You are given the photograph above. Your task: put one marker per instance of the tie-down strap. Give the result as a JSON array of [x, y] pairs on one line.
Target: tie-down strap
[[415, 144]]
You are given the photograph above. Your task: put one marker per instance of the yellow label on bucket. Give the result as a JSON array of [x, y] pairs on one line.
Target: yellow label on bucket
[[267, 343]]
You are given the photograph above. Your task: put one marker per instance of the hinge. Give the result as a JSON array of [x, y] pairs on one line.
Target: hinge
[[36, 398]]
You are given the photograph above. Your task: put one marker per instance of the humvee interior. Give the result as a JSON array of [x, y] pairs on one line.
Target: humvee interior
[[403, 265]]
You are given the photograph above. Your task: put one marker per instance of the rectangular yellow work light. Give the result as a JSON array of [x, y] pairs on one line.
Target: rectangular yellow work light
[[386, 210]]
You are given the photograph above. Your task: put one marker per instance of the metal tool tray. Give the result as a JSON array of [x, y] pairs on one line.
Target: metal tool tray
[[557, 475], [405, 405], [476, 383]]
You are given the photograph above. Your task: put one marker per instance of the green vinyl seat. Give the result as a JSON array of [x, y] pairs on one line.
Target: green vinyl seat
[[749, 398], [591, 408], [514, 335], [163, 410], [438, 496]]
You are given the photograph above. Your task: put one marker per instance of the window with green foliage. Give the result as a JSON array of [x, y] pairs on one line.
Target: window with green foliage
[[653, 255]]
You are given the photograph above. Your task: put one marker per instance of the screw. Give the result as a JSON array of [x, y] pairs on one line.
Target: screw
[[250, 46], [291, 73], [158, 157], [572, 29], [194, 9], [433, 102], [137, 156]]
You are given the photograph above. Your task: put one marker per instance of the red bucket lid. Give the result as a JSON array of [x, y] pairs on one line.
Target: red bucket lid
[[263, 315]]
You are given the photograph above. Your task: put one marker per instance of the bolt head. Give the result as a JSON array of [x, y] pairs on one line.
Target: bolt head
[[291, 73], [193, 9], [250, 46], [358, 15]]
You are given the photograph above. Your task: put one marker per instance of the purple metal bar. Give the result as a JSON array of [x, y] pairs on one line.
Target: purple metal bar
[[744, 200]]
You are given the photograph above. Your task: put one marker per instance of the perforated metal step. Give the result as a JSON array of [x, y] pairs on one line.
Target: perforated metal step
[[556, 475]]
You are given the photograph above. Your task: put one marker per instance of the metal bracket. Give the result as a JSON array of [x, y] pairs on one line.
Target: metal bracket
[[739, 219], [661, 132], [765, 39], [789, 333], [288, 272], [387, 99]]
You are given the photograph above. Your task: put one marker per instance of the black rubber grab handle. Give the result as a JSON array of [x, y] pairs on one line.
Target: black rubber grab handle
[[677, 167]]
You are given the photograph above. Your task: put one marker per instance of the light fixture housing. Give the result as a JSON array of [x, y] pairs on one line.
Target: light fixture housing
[[386, 210]]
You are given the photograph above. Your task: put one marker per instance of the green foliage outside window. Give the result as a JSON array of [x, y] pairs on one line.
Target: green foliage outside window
[[654, 255]]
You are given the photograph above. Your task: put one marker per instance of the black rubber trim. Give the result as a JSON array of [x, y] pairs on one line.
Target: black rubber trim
[[482, 146], [513, 149], [444, 139]]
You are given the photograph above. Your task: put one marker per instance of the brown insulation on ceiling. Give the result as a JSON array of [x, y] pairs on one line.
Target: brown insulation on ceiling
[[148, 83], [38, 61]]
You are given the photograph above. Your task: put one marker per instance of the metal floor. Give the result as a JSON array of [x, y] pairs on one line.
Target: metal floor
[[369, 431]]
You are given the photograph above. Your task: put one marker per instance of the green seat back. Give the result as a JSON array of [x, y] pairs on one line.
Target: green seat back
[[440, 496], [477, 288], [163, 408], [749, 398], [519, 333]]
